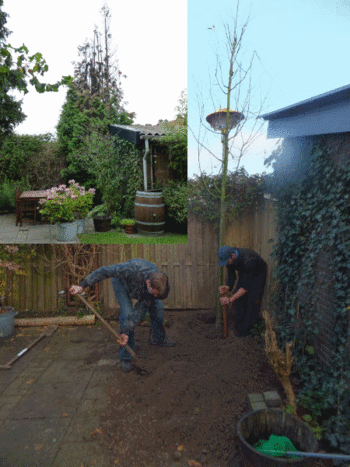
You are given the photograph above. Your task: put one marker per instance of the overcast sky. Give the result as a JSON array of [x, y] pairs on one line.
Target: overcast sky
[[151, 41], [303, 48]]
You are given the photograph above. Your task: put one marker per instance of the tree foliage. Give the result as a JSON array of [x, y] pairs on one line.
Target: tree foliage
[[16, 73], [117, 167], [243, 191]]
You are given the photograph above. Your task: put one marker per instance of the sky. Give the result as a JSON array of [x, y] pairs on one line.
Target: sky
[[151, 42], [302, 48]]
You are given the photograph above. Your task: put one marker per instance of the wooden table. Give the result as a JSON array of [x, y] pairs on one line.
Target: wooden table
[[29, 201]]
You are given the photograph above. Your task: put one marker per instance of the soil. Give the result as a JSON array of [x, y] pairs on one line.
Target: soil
[[188, 407]]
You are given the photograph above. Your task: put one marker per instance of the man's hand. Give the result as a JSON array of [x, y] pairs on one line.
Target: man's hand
[[75, 289], [123, 340], [223, 289], [225, 300]]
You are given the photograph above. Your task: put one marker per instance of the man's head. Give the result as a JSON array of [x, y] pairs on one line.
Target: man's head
[[226, 255], [158, 285]]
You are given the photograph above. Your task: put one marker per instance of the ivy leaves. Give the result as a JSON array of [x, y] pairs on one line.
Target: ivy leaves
[[313, 229]]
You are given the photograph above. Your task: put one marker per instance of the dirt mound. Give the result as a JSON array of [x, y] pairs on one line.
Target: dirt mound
[[189, 405]]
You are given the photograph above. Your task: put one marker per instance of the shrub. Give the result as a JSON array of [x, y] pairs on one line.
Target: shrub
[[175, 198], [7, 193]]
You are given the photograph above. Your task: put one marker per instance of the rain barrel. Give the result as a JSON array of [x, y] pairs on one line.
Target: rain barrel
[[7, 316], [260, 424], [150, 212]]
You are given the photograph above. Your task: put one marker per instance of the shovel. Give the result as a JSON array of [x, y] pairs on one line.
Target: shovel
[[138, 368], [48, 332]]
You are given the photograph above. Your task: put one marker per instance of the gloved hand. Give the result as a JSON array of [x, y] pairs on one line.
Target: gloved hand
[[123, 340], [223, 289], [75, 289]]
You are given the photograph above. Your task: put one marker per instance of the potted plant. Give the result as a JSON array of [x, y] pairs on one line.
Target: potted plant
[[59, 208], [129, 225], [83, 203], [101, 217]]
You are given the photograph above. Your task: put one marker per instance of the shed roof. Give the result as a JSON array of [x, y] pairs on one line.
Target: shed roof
[[322, 114], [134, 133]]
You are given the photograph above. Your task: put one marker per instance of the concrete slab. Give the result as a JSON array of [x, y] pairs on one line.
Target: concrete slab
[[51, 400], [82, 454], [28, 443]]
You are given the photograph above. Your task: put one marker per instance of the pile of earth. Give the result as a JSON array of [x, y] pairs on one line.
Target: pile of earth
[[186, 410]]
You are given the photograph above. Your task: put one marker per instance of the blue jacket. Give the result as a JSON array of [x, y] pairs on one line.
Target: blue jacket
[[132, 274]]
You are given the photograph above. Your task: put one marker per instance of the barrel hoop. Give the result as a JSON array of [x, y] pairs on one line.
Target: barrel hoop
[[148, 195], [150, 223], [151, 205]]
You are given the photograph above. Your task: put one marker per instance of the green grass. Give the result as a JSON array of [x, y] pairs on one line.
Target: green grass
[[117, 237]]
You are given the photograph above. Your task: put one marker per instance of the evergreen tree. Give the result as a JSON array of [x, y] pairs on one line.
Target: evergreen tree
[[94, 100]]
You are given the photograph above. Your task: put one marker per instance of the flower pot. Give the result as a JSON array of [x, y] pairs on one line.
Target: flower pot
[[102, 223], [7, 316], [130, 229], [67, 232], [80, 226]]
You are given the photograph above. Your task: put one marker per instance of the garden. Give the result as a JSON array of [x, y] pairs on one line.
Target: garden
[[84, 170]]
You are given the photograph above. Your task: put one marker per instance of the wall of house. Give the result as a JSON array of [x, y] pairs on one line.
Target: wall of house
[[339, 145]]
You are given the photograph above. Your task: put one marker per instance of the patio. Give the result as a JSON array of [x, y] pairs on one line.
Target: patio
[[30, 233]]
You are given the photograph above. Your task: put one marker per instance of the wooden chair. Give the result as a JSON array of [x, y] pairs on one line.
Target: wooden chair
[[18, 206], [23, 205]]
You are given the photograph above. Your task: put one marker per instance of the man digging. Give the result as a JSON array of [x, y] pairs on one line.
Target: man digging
[[251, 269], [138, 279]]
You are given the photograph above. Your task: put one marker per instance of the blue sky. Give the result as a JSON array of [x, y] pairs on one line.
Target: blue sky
[[303, 51], [151, 41]]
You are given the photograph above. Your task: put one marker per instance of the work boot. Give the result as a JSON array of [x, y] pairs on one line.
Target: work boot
[[126, 366], [166, 343]]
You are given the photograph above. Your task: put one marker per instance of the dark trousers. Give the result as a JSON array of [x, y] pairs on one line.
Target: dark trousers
[[247, 308]]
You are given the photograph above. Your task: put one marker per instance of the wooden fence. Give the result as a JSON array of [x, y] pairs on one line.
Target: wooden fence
[[191, 267]]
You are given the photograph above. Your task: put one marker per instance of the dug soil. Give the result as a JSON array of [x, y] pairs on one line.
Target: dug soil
[[186, 410]]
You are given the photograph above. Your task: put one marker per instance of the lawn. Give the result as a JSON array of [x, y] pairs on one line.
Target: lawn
[[117, 237]]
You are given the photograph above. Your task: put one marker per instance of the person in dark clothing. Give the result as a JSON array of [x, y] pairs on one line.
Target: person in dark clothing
[[251, 269], [138, 279]]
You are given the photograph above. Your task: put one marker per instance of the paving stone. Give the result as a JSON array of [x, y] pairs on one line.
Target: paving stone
[[29, 443], [86, 453], [272, 399], [256, 402]]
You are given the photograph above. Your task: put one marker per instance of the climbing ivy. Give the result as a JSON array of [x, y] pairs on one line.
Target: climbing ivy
[[313, 224]]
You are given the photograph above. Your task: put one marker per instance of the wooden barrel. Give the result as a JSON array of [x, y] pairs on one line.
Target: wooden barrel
[[150, 212]]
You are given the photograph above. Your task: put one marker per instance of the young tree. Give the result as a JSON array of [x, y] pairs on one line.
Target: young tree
[[16, 75], [232, 84]]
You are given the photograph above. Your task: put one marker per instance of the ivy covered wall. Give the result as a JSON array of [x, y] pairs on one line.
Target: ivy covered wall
[[313, 274]]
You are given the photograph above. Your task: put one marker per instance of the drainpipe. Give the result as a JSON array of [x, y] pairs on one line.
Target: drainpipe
[[145, 164]]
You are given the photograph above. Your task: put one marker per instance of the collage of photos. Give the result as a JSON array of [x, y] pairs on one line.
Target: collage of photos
[[174, 234]]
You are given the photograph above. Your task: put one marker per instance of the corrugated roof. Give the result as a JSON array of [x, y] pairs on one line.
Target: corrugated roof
[[331, 97], [144, 130]]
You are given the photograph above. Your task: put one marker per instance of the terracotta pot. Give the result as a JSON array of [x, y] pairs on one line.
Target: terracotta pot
[[130, 229]]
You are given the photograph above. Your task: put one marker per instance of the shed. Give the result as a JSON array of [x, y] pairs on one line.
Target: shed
[[155, 163]]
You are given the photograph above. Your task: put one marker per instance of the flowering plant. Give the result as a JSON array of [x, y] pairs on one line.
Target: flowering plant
[[62, 202], [84, 200]]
